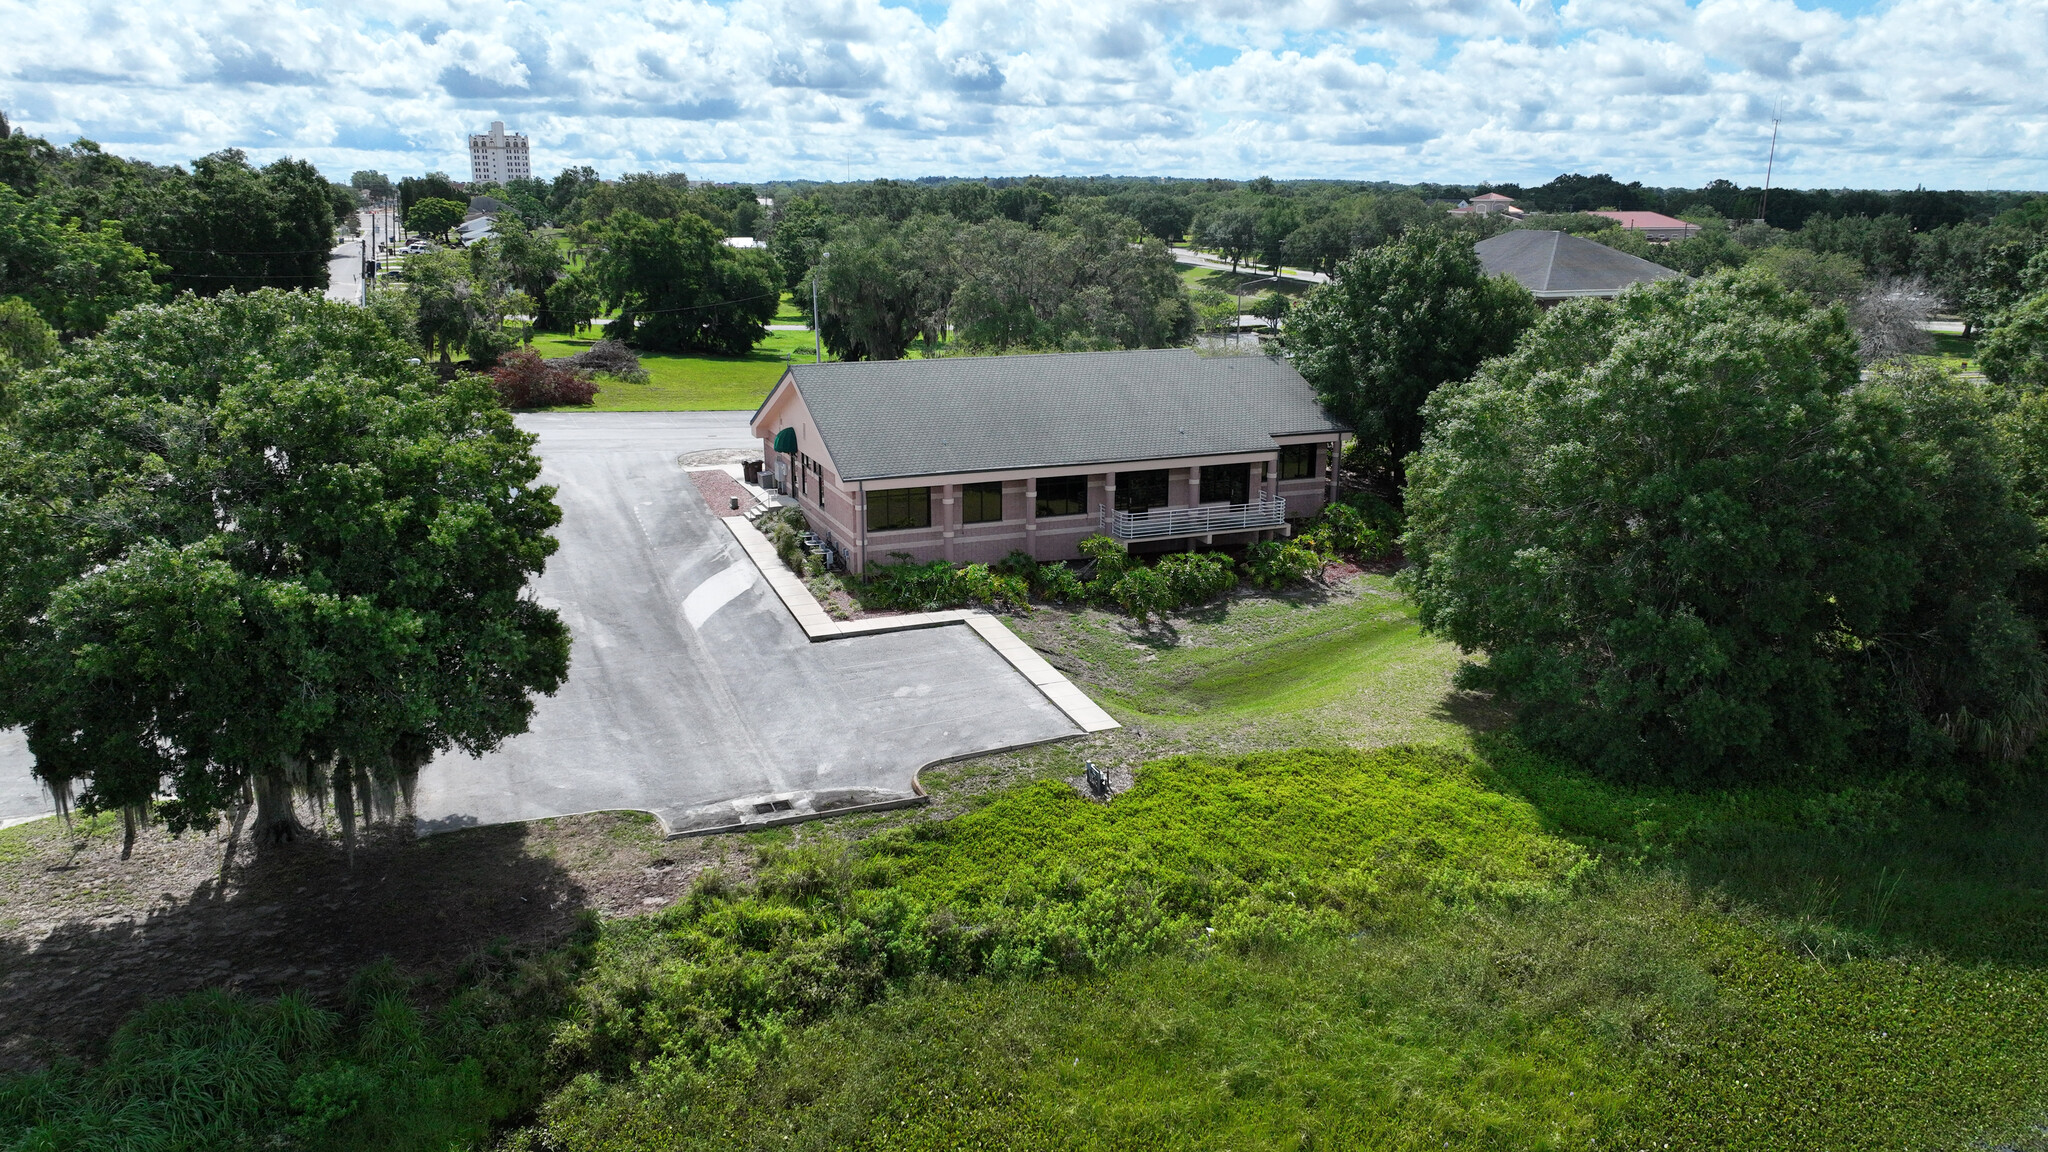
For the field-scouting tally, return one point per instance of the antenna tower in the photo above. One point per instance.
(1763, 211)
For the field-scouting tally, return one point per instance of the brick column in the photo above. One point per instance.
(1031, 516)
(860, 531)
(949, 515)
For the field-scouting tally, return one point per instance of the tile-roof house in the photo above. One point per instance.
(967, 459)
(1485, 204)
(1557, 266)
(1656, 226)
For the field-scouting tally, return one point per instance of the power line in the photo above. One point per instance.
(702, 307)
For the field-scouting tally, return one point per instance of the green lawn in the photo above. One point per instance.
(1346, 666)
(787, 313)
(691, 382)
(1954, 350)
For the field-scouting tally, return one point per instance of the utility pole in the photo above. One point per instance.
(817, 341)
(1763, 212)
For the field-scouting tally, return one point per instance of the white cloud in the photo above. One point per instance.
(1913, 92)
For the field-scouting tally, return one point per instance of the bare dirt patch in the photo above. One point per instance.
(86, 937)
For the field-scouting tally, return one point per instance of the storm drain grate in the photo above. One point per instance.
(766, 807)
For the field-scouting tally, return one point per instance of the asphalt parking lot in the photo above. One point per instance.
(692, 694)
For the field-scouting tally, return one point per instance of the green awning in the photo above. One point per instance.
(785, 440)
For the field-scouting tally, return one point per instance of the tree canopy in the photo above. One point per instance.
(678, 285)
(1690, 541)
(75, 277)
(434, 216)
(1398, 322)
(2015, 351)
(246, 547)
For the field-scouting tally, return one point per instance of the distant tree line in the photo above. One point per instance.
(101, 221)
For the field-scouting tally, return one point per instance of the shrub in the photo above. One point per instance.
(1058, 584)
(980, 584)
(785, 529)
(1278, 563)
(1361, 525)
(910, 586)
(1052, 581)
(1141, 592)
(524, 380)
(937, 584)
(1110, 557)
(1197, 577)
(610, 357)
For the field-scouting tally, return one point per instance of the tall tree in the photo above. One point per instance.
(532, 264)
(249, 548)
(1398, 322)
(75, 277)
(677, 284)
(1693, 543)
(2015, 352)
(232, 226)
(435, 217)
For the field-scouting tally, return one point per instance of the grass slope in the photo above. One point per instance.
(1401, 949)
(1347, 665)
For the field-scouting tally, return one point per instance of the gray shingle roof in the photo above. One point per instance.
(1555, 265)
(988, 413)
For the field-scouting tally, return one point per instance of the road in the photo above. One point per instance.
(345, 271)
(1204, 260)
(692, 694)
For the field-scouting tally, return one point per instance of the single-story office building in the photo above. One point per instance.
(1557, 266)
(967, 459)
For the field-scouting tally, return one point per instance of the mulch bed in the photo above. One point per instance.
(719, 489)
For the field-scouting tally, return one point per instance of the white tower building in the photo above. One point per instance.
(498, 156)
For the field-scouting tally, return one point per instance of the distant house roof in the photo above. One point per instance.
(476, 228)
(1494, 196)
(902, 418)
(1651, 222)
(744, 242)
(1559, 266)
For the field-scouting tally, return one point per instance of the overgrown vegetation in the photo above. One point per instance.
(215, 1070)
(1410, 947)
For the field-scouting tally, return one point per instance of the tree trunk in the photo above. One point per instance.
(241, 817)
(276, 820)
(131, 817)
(345, 805)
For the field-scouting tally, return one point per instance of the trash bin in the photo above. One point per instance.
(751, 469)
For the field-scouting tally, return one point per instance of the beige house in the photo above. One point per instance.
(967, 459)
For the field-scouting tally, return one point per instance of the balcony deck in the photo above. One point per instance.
(1200, 520)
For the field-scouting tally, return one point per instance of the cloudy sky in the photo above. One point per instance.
(1945, 93)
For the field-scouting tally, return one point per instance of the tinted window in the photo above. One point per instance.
(1227, 484)
(1141, 491)
(981, 503)
(1297, 461)
(899, 508)
(1062, 495)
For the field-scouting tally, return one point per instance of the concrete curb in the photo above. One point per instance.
(817, 625)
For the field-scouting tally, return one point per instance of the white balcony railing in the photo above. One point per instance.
(1200, 520)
